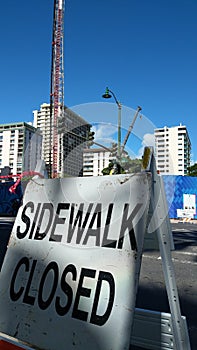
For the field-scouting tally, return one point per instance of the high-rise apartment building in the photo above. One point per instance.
(20, 147)
(72, 139)
(172, 150)
(94, 161)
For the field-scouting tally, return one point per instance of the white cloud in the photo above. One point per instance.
(147, 141)
(104, 132)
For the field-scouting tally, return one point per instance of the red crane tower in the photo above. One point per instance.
(57, 84)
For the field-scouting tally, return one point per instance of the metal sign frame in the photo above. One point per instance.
(160, 230)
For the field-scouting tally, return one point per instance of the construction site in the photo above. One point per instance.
(72, 247)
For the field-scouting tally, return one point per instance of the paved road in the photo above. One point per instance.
(152, 292)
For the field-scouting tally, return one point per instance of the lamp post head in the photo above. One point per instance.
(106, 94)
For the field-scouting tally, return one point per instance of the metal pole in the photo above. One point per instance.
(107, 95)
(119, 123)
(119, 131)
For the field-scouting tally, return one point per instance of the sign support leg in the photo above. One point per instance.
(164, 234)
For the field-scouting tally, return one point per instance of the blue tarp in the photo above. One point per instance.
(175, 188)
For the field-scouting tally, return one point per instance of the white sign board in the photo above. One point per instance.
(70, 275)
(185, 213)
(189, 203)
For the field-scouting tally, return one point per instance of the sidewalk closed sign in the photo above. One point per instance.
(70, 274)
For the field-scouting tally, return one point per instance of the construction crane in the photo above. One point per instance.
(130, 129)
(57, 84)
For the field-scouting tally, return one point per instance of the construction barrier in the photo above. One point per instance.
(4, 345)
(70, 275)
(71, 271)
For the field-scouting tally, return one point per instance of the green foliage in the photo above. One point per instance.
(192, 170)
(123, 165)
(128, 165)
(107, 170)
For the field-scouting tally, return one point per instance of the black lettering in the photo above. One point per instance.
(52, 267)
(81, 291)
(78, 218)
(109, 243)
(28, 299)
(34, 221)
(62, 310)
(94, 232)
(58, 220)
(26, 220)
(15, 295)
(46, 207)
(100, 320)
(127, 223)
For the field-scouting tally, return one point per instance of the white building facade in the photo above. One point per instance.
(95, 160)
(72, 140)
(172, 150)
(20, 147)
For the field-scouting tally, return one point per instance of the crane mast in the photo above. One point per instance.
(57, 85)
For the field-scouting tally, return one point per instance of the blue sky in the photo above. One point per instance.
(145, 51)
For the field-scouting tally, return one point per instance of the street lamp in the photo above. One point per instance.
(107, 95)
